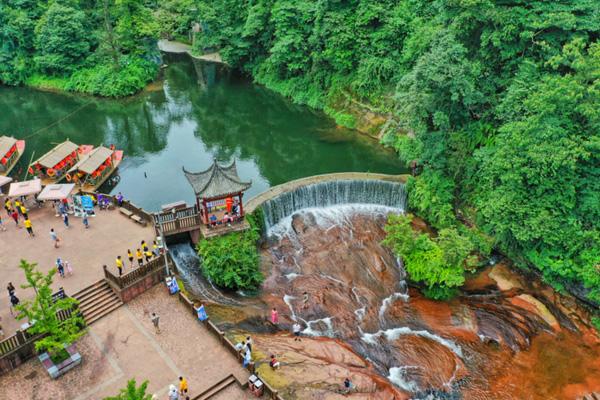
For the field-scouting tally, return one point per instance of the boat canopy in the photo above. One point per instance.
(25, 188)
(58, 191)
(57, 154)
(93, 161)
(6, 144)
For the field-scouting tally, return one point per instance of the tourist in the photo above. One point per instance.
(18, 207)
(85, 221)
(155, 319)
(24, 212)
(66, 219)
(147, 254)
(68, 267)
(140, 257)
(15, 216)
(305, 300)
(274, 364)
(297, 329)
(274, 316)
(54, 238)
(248, 343)
(28, 226)
(11, 289)
(173, 395)
(120, 199)
(183, 386)
(2, 227)
(240, 346)
(130, 257)
(8, 206)
(347, 385)
(60, 267)
(144, 246)
(14, 301)
(213, 220)
(119, 264)
(247, 358)
(155, 248)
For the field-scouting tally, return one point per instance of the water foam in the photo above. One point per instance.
(395, 333)
(398, 376)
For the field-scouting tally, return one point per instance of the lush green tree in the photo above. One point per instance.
(61, 39)
(43, 309)
(132, 392)
(438, 263)
(232, 261)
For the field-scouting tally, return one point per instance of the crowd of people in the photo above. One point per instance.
(142, 254)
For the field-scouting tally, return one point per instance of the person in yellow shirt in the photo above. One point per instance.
(119, 264)
(148, 255)
(28, 227)
(140, 257)
(130, 257)
(24, 212)
(183, 386)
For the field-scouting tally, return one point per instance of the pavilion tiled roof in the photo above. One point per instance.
(217, 181)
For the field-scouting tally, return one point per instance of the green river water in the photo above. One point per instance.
(197, 113)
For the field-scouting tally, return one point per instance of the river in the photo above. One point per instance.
(193, 114)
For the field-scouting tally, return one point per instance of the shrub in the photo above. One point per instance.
(105, 80)
(132, 392)
(232, 261)
(437, 263)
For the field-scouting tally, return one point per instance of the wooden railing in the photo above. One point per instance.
(129, 278)
(182, 220)
(214, 329)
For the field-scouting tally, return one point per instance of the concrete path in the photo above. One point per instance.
(169, 46)
(110, 234)
(123, 346)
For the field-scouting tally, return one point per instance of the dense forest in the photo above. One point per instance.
(105, 47)
(497, 102)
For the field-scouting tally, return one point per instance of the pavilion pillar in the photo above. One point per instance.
(241, 206)
(205, 208)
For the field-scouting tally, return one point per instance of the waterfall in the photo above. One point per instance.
(324, 194)
(188, 267)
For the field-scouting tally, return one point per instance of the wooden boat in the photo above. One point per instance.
(53, 166)
(11, 151)
(93, 169)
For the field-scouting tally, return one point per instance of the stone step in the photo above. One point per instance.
(89, 291)
(95, 296)
(216, 388)
(101, 301)
(90, 319)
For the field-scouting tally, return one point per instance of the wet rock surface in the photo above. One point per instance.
(504, 337)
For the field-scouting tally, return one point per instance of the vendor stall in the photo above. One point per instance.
(25, 189)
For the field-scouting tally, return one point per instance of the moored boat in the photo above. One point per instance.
(54, 165)
(95, 168)
(11, 151)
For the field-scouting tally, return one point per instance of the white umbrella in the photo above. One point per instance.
(58, 191)
(4, 180)
(18, 189)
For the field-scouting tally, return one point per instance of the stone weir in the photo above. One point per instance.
(328, 190)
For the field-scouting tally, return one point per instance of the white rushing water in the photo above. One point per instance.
(399, 377)
(335, 193)
(395, 333)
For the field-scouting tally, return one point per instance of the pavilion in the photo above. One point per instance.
(218, 190)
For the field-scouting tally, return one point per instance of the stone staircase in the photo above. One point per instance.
(96, 301)
(216, 388)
